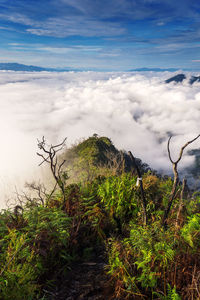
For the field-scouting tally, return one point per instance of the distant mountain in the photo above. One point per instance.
(177, 78)
(180, 77)
(26, 68)
(194, 79)
(153, 70)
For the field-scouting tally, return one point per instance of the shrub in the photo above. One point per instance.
(31, 252)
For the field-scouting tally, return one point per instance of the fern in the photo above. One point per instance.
(152, 251)
(19, 274)
(171, 294)
(191, 231)
(119, 196)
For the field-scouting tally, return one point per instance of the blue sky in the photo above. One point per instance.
(99, 34)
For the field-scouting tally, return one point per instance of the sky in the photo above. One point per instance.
(116, 35)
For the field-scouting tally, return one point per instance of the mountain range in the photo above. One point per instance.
(30, 68)
(154, 70)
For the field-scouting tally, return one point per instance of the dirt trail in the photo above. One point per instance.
(86, 280)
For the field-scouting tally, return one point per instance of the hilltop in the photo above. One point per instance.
(97, 155)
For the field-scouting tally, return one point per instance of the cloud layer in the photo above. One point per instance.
(138, 112)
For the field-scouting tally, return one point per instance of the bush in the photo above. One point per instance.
(31, 252)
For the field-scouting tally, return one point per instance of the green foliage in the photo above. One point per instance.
(165, 187)
(32, 251)
(119, 196)
(18, 269)
(89, 158)
(155, 251)
(141, 259)
(4, 231)
(94, 212)
(40, 219)
(191, 231)
(119, 265)
(171, 294)
(94, 149)
(193, 206)
(49, 229)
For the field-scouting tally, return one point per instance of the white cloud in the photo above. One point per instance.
(136, 111)
(64, 50)
(66, 26)
(77, 26)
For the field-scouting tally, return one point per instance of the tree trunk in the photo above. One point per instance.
(144, 205)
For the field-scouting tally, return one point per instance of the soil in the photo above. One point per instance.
(86, 280)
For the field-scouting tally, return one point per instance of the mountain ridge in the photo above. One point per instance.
(31, 68)
(154, 70)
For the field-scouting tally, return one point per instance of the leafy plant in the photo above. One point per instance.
(18, 276)
(119, 197)
(171, 294)
(191, 231)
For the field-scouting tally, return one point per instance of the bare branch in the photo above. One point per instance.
(182, 149)
(59, 168)
(45, 159)
(52, 192)
(53, 161)
(61, 144)
(169, 153)
(176, 177)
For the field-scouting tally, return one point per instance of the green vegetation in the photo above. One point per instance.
(40, 240)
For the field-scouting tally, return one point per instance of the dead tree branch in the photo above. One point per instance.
(183, 196)
(49, 155)
(176, 176)
(36, 194)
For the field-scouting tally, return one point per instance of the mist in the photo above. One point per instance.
(137, 111)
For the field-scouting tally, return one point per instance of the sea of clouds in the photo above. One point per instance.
(138, 111)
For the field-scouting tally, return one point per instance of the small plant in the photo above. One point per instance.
(171, 294)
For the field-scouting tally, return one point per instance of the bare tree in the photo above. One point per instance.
(176, 176)
(39, 191)
(183, 195)
(37, 194)
(49, 155)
